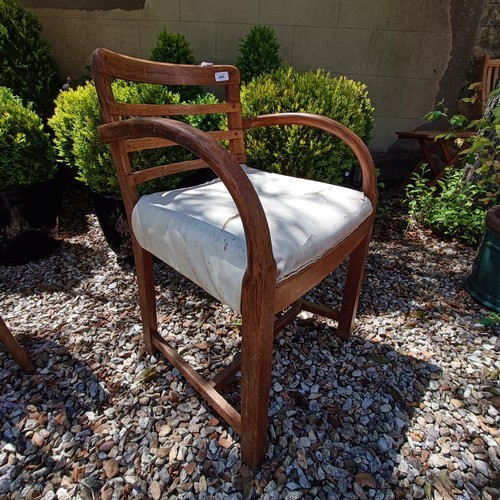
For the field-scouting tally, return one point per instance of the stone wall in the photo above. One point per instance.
(488, 38)
(408, 52)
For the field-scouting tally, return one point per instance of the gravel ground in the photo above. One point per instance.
(408, 408)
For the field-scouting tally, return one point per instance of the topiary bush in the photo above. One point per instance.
(75, 121)
(174, 48)
(26, 153)
(27, 65)
(259, 53)
(302, 151)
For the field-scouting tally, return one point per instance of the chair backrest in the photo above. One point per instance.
(108, 66)
(490, 73)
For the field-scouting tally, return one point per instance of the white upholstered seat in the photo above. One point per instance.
(198, 232)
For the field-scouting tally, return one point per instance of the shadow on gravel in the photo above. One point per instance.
(339, 413)
(49, 419)
(76, 206)
(340, 421)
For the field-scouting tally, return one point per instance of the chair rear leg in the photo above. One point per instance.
(352, 289)
(147, 295)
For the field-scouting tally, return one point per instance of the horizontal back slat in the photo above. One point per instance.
(151, 143)
(125, 109)
(140, 70)
(161, 170)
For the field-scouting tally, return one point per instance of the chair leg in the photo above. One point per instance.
(352, 289)
(147, 295)
(13, 347)
(256, 363)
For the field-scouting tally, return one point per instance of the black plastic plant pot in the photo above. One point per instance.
(112, 218)
(28, 222)
(483, 282)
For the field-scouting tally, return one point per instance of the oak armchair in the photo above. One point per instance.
(254, 240)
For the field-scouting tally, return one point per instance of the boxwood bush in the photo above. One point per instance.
(26, 153)
(75, 122)
(174, 48)
(27, 65)
(259, 53)
(301, 151)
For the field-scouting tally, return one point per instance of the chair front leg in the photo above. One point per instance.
(147, 295)
(256, 363)
(352, 289)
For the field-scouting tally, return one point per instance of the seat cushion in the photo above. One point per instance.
(198, 231)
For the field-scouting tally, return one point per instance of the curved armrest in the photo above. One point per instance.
(369, 175)
(225, 166)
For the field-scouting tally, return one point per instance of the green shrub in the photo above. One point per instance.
(26, 154)
(259, 53)
(458, 205)
(75, 122)
(303, 151)
(449, 208)
(174, 48)
(27, 65)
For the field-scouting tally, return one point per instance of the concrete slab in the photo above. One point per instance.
(417, 98)
(323, 13)
(358, 13)
(384, 92)
(201, 37)
(340, 50)
(84, 35)
(394, 53)
(399, 15)
(222, 11)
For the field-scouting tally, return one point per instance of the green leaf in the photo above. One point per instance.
(458, 121)
(435, 115)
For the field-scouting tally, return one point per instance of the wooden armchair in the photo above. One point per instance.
(256, 241)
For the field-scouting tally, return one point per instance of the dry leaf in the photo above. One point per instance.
(60, 418)
(444, 486)
(190, 468)
(37, 439)
(365, 479)
(301, 459)
(226, 442)
(78, 473)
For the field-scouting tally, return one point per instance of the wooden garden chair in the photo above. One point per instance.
(490, 74)
(256, 241)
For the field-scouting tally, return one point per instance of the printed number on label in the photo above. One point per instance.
(222, 76)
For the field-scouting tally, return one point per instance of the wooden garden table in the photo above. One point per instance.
(439, 152)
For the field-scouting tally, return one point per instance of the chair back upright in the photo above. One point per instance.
(108, 66)
(490, 74)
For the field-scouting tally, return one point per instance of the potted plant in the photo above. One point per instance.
(29, 197)
(27, 65)
(74, 123)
